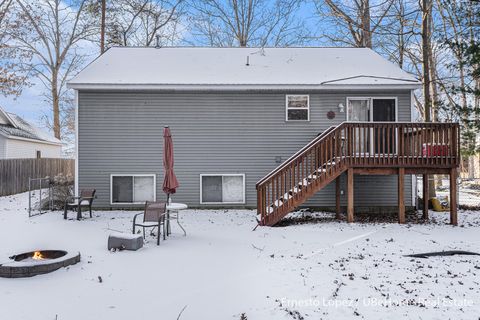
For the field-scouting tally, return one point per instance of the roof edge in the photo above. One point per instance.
(241, 87)
(12, 122)
(241, 48)
(399, 80)
(34, 140)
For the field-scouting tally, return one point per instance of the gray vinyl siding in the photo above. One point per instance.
(217, 132)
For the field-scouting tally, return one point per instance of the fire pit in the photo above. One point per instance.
(33, 263)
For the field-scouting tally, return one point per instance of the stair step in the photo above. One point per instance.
(302, 184)
(311, 180)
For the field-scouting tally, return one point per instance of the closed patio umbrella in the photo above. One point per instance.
(170, 183)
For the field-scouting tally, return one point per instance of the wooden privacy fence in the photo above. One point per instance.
(14, 173)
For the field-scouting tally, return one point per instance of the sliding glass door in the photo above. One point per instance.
(358, 110)
(384, 110)
(370, 109)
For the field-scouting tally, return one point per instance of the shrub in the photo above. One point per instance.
(62, 189)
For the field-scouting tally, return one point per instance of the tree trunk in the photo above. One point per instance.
(102, 27)
(476, 167)
(401, 37)
(438, 179)
(477, 100)
(55, 105)
(471, 167)
(367, 31)
(366, 24)
(425, 58)
(476, 163)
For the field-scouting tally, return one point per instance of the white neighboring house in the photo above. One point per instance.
(21, 139)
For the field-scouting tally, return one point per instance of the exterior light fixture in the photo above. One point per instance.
(341, 107)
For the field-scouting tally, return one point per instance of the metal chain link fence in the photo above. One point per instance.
(468, 190)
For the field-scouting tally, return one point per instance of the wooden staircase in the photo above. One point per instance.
(387, 146)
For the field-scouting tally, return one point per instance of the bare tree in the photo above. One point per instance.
(247, 23)
(398, 39)
(139, 22)
(357, 18)
(13, 77)
(53, 41)
(400, 30)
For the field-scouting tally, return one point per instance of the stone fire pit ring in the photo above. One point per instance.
(26, 265)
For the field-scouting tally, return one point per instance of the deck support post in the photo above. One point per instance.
(453, 196)
(337, 198)
(350, 195)
(401, 195)
(425, 196)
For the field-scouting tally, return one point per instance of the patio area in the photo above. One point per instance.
(223, 269)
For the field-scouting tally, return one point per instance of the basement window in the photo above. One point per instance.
(298, 108)
(132, 189)
(222, 188)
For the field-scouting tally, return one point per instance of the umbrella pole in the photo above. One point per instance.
(168, 215)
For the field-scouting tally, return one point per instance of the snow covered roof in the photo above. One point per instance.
(13, 126)
(241, 68)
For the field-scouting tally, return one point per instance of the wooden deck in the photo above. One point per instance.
(367, 148)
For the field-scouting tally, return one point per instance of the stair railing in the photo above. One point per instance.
(354, 144)
(284, 187)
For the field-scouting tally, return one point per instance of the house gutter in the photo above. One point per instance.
(242, 87)
(31, 140)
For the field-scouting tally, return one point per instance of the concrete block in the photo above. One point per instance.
(125, 241)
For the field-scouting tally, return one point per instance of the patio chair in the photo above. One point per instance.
(76, 203)
(153, 217)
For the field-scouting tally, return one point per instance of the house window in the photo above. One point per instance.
(39, 154)
(222, 188)
(132, 188)
(298, 108)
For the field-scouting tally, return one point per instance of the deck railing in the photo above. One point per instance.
(400, 144)
(354, 144)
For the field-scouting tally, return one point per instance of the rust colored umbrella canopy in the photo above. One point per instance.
(170, 182)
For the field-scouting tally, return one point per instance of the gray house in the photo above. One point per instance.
(236, 114)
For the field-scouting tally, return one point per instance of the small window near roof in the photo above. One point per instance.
(298, 108)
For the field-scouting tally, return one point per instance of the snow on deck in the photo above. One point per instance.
(330, 270)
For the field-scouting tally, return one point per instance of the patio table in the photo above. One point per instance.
(173, 213)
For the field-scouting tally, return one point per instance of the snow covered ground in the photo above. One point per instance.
(223, 269)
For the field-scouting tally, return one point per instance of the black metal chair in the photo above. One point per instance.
(76, 203)
(153, 217)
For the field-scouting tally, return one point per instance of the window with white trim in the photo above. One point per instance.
(298, 107)
(136, 188)
(222, 188)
